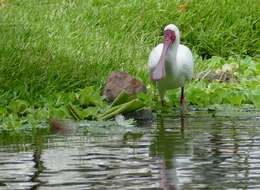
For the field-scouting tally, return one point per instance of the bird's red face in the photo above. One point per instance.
(169, 35)
(159, 71)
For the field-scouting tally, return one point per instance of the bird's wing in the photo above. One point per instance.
(154, 57)
(184, 58)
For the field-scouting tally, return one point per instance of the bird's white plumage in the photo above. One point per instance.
(178, 63)
(174, 28)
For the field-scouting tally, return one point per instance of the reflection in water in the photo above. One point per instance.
(168, 142)
(196, 151)
(38, 163)
(205, 152)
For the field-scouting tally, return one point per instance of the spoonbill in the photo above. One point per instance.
(171, 64)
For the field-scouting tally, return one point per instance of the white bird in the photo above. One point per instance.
(171, 64)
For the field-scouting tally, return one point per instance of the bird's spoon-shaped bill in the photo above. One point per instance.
(159, 70)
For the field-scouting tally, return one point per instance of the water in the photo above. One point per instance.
(197, 151)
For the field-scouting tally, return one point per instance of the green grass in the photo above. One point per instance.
(49, 46)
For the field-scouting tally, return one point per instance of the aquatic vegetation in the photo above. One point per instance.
(121, 105)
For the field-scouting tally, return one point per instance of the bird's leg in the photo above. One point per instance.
(182, 101)
(155, 92)
(163, 102)
(162, 93)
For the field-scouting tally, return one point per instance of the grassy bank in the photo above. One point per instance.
(52, 45)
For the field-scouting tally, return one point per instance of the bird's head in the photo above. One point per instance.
(171, 35)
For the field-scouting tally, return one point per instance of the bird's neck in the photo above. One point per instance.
(172, 52)
(171, 63)
(174, 47)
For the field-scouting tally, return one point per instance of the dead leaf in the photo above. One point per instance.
(183, 7)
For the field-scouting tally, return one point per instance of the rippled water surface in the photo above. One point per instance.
(196, 151)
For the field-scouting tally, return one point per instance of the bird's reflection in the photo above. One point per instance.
(170, 142)
(206, 151)
(38, 142)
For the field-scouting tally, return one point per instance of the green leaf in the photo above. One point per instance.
(255, 98)
(90, 113)
(60, 112)
(216, 93)
(257, 68)
(18, 106)
(89, 97)
(174, 98)
(146, 99)
(234, 98)
(12, 121)
(123, 97)
(198, 96)
(73, 112)
(123, 108)
(3, 111)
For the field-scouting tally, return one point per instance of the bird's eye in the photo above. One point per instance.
(173, 36)
(169, 34)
